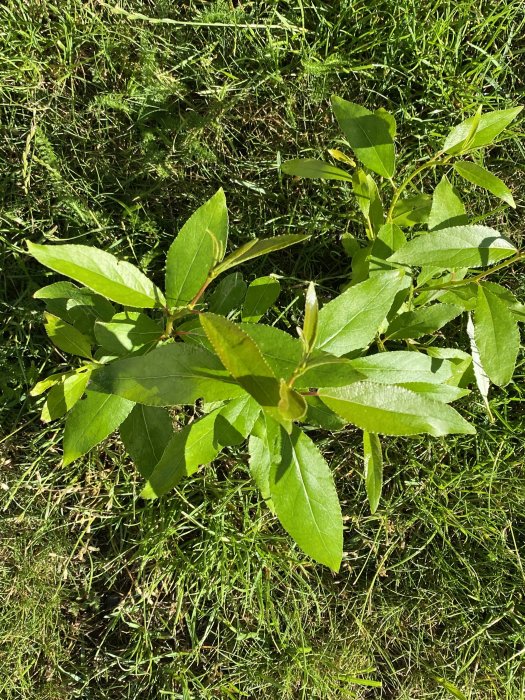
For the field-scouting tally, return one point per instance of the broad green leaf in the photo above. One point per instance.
(403, 366)
(228, 295)
(305, 500)
(459, 361)
(127, 331)
(45, 384)
(258, 247)
(497, 337)
(477, 175)
(456, 247)
(351, 321)
(312, 168)
(198, 247)
(236, 420)
(264, 447)
(428, 319)
(66, 337)
(91, 421)
(373, 469)
(176, 373)
(102, 272)
(389, 239)
(517, 308)
(311, 318)
(369, 135)
(482, 380)
(281, 351)
(392, 410)
(145, 434)
(389, 119)
(350, 244)
(324, 370)
(64, 395)
(447, 208)
(260, 296)
(489, 128)
(368, 200)
(412, 210)
(440, 392)
(361, 265)
(292, 405)
(319, 415)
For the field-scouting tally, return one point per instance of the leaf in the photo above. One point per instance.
(489, 128)
(342, 157)
(319, 415)
(45, 384)
(228, 295)
(66, 337)
(482, 380)
(260, 296)
(497, 337)
(447, 208)
(91, 421)
(281, 351)
(517, 308)
(368, 134)
(412, 210)
(102, 272)
(389, 239)
(258, 247)
(351, 320)
(312, 168)
(264, 447)
(392, 410)
(292, 405)
(198, 247)
(64, 395)
(373, 469)
(173, 374)
(440, 392)
(305, 500)
(145, 434)
(456, 247)
(429, 319)
(311, 319)
(236, 420)
(483, 178)
(368, 200)
(401, 366)
(324, 370)
(126, 332)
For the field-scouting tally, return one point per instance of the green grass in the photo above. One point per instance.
(113, 130)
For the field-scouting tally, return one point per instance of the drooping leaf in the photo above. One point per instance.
(482, 380)
(312, 168)
(198, 247)
(91, 421)
(102, 272)
(176, 373)
(490, 126)
(412, 210)
(373, 469)
(368, 200)
(145, 434)
(64, 395)
(497, 337)
(66, 337)
(369, 135)
(392, 410)
(305, 500)
(258, 247)
(428, 319)
(456, 247)
(260, 296)
(481, 177)
(126, 332)
(228, 295)
(447, 208)
(351, 320)
(517, 308)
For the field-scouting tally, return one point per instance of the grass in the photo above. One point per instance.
(113, 129)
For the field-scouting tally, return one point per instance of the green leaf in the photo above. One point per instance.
(66, 337)
(351, 321)
(368, 200)
(305, 500)
(341, 157)
(102, 272)
(447, 208)
(369, 135)
(264, 447)
(319, 415)
(456, 247)
(517, 308)
(392, 410)
(373, 469)
(482, 380)
(64, 395)
(389, 239)
(414, 324)
(497, 337)
(292, 405)
(45, 384)
(403, 366)
(228, 295)
(260, 296)
(173, 374)
(412, 210)
(281, 351)
(236, 420)
(323, 369)
(258, 247)
(91, 421)
(312, 168)
(145, 434)
(440, 392)
(127, 331)
(311, 319)
(489, 128)
(483, 178)
(198, 247)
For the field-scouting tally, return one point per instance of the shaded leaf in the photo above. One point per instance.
(260, 296)
(228, 295)
(368, 200)
(145, 434)
(66, 337)
(428, 319)
(412, 210)
(373, 469)
(127, 331)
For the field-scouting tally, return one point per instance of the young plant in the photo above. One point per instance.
(251, 381)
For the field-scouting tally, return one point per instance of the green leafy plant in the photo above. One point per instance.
(246, 380)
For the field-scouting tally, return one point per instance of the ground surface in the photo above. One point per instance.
(113, 129)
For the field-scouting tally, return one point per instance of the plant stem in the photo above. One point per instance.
(477, 278)
(433, 162)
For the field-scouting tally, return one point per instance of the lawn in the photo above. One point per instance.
(116, 123)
